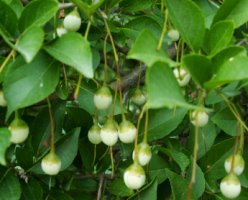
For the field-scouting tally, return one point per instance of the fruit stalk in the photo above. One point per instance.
(52, 128)
(163, 30)
(80, 75)
(137, 136)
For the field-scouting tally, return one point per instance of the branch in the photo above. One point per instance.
(66, 5)
(99, 192)
(132, 78)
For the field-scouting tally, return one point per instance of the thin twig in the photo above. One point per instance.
(66, 5)
(99, 192)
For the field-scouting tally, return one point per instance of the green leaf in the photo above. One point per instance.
(30, 83)
(212, 163)
(162, 88)
(10, 188)
(135, 5)
(180, 158)
(16, 6)
(179, 186)
(119, 189)
(30, 42)
(8, 22)
(86, 8)
(187, 17)
(67, 151)
(233, 10)
(4, 144)
(219, 36)
(37, 13)
(199, 67)
(235, 69)
(73, 50)
(163, 121)
(157, 168)
(224, 55)
(226, 121)
(32, 190)
(144, 49)
(148, 192)
(208, 9)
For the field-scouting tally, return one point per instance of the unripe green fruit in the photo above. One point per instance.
(238, 164)
(103, 98)
(127, 132)
(138, 97)
(173, 35)
(72, 21)
(144, 153)
(61, 31)
(109, 133)
(51, 164)
(19, 131)
(2, 99)
(94, 134)
(230, 186)
(199, 118)
(134, 176)
(182, 76)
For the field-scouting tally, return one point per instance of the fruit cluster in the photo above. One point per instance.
(126, 132)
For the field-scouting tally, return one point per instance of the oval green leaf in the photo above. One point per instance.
(163, 89)
(31, 83)
(73, 50)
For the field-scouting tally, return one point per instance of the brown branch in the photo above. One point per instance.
(99, 192)
(130, 79)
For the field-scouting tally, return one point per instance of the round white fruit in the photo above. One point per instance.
(2, 99)
(173, 35)
(127, 132)
(103, 98)
(182, 76)
(238, 164)
(134, 176)
(94, 134)
(199, 118)
(144, 153)
(138, 97)
(109, 133)
(230, 186)
(61, 31)
(19, 131)
(51, 164)
(72, 21)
